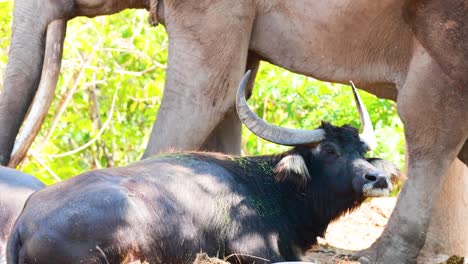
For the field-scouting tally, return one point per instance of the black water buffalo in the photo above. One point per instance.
(15, 188)
(167, 208)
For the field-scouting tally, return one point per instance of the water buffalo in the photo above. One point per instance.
(15, 188)
(167, 208)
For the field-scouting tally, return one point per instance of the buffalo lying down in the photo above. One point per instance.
(165, 209)
(15, 188)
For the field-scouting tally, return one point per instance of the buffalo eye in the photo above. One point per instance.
(329, 151)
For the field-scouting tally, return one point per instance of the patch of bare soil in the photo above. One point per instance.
(354, 231)
(358, 230)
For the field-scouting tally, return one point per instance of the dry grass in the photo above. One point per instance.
(454, 260)
(203, 258)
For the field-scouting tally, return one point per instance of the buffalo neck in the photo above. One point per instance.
(309, 211)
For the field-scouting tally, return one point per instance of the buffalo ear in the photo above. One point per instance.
(292, 169)
(388, 167)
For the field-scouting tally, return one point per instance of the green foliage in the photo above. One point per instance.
(123, 55)
(6, 9)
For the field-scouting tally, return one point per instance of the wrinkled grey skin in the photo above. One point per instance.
(15, 188)
(410, 51)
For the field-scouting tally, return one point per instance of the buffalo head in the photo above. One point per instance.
(330, 157)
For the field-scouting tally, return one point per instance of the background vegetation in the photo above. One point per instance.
(111, 87)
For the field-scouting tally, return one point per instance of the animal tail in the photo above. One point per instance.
(13, 247)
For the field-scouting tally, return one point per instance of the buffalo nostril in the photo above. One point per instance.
(381, 183)
(370, 177)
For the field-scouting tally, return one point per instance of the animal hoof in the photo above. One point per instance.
(361, 257)
(364, 260)
(379, 255)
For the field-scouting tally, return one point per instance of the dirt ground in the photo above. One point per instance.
(358, 230)
(362, 227)
(354, 231)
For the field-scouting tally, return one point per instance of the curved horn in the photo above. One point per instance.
(367, 135)
(45, 92)
(272, 133)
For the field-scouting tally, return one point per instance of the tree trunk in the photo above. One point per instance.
(448, 229)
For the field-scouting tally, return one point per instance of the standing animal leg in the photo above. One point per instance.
(226, 137)
(435, 133)
(446, 233)
(211, 39)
